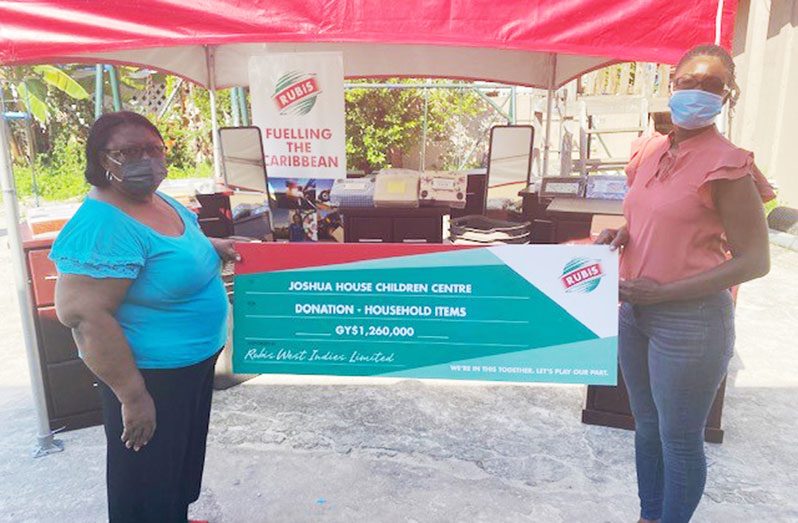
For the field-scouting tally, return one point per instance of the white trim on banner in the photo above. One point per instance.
(548, 270)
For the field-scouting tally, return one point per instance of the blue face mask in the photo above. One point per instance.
(694, 108)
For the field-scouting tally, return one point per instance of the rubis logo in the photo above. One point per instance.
(296, 93)
(581, 275)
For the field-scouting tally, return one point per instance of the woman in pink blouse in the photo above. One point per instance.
(695, 228)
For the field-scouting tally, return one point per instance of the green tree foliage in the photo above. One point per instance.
(32, 86)
(59, 175)
(384, 124)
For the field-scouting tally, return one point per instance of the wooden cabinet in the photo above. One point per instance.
(476, 195)
(534, 211)
(70, 388)
(367, 229)
(417, 230)
(55, 339)
(608, 406)
(394, 225)
(215, 216)
(560, 220)
(43, 276)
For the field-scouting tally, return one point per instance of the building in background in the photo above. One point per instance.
(766, 118)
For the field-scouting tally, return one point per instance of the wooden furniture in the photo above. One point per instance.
(559, 220)
(608, 406)
(393, 224)
(534, 210)
(476, 194)
(572, 217)
(70, 388)
(215, 215)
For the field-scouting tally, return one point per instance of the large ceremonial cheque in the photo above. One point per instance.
(544, 313)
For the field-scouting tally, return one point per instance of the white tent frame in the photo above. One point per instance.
(218, 67)
(222, 66)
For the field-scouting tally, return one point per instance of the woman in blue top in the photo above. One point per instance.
(296, 231)
(140, 286)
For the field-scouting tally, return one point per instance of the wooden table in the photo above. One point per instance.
(571, 218)
(393, 224)
(581, 206)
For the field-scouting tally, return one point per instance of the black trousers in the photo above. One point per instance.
(157, 483)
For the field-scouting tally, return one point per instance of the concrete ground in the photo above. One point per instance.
(285, 449)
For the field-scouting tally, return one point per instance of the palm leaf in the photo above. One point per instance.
(61, 81)
(35, 106)
(37, 88)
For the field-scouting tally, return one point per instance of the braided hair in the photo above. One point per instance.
(723, 55)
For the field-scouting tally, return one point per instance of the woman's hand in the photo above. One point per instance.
(138, 420)
(226, 249)
(642, 291)
(615, 238)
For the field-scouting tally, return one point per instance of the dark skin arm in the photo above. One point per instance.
(615, 238)
(87, 306)
(740, 209)
(225, 247)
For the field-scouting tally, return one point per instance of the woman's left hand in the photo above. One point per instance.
(642, 291)
(226, 249)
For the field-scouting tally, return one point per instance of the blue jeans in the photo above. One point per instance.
(673, 357)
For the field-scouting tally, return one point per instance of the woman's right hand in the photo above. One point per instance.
(138, 420)
(615, 238)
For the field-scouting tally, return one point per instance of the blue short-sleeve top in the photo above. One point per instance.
(175, 311)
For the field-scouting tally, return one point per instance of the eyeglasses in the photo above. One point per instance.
(711, 84)
(137, 152)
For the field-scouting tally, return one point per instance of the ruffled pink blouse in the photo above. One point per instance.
(674, 229)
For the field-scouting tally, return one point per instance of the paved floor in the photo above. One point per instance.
(297, 450)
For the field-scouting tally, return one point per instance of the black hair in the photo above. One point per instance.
(100, 133)
(723, 55)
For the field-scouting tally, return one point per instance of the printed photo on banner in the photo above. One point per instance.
(298, 103)
(330, 227)
(295, 225)
(304, 201)
(300, 193)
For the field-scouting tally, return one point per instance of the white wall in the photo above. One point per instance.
(766, 119)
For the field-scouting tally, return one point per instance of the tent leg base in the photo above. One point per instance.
(47, 445)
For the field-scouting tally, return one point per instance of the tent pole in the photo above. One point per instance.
(46, 443)
(114, 80)
(424, 130)
(243, 109)
(549, 110)
(234, 107)
(31, 147)
(99, 80)
(210, 61)
(513, 107)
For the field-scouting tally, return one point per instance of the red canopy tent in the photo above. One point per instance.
(511, 40)
(537, 43)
